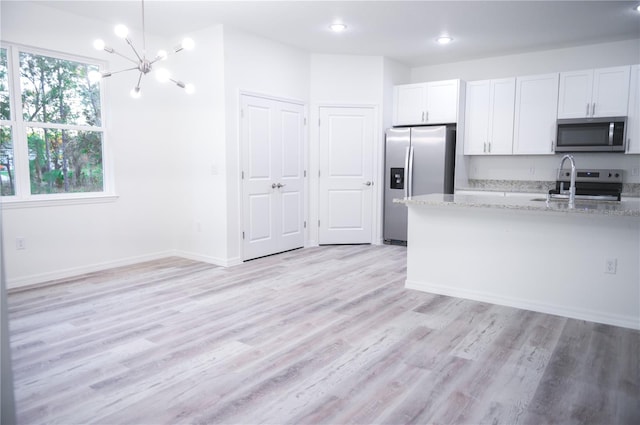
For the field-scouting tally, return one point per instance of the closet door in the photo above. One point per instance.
(346, 175)
(291, 175)
(272, 133)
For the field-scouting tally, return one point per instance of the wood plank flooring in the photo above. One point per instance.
(325, 335)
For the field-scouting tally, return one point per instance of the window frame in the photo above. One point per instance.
(22, 185)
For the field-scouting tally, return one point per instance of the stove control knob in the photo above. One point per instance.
(609, 174)
(617, 175)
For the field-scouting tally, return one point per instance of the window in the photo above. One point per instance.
(6, 142)
(51, 127)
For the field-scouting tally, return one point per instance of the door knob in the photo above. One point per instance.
(273, 186)
(368, 183)
(279, 185)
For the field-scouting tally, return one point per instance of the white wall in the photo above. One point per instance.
(199, 153)
(256, 65)
(601, 55)
(64, 240)
(341, 80)
(541, 167)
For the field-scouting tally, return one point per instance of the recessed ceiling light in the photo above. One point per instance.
(444, 39)
(338, 27)
(638, 8)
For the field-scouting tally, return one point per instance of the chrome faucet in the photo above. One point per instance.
(572, 184)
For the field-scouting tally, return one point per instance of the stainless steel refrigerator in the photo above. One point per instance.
(418, 161)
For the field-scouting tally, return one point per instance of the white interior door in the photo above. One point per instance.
(272, 176)
(346, 175)
(291, 176)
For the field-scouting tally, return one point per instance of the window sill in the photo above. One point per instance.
(56, 201)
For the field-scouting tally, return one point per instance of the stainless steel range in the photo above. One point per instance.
(593, 184)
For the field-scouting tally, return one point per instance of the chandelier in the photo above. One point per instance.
(142, 64)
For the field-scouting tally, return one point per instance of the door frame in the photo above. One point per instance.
(314, 169)
(241, 158)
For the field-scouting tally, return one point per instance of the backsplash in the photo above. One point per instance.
(631, 189)
(545, 167)
(628, 189)
(511, 185)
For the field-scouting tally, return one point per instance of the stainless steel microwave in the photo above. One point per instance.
(591, 135)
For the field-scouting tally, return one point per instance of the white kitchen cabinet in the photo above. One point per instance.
(633, 116)
(434, 102)
(489, 113)
(442, 102)
(602, 92)
(409, 103)
(536, 111)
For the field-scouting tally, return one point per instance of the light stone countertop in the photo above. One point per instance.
(626, 207)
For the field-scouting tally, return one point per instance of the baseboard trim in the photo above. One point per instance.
(222, 262)
(41, 278)
(521, 303)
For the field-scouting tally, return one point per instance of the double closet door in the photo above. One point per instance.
(272, 134)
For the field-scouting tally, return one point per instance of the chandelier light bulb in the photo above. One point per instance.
(163, 75)
(99, 44)
(121, 31)
(444, 39)
(94, 76)
(188, 43)
(189, 88)
(135, 93)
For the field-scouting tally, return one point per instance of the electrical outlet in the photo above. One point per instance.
(635, 171)
(611, 265)
(21, 243)
(532, 170)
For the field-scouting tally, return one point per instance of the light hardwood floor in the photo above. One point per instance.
(320, 335)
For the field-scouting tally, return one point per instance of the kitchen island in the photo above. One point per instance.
(581, 262)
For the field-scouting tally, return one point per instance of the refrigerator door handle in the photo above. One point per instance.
(406, 172)
(410, 172)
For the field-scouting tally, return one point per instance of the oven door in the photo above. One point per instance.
(591, 135)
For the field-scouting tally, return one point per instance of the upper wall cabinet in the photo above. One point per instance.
(535, 114)
(489, 110)
(434, 102)
(633, 116)
(594, 93)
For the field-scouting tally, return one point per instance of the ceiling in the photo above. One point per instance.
(401, 30)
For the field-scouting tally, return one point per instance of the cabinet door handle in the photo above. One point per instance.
(587, 109)
(593, 109)
(273, 185)
(484, 147)
(427, 116)
(422, 116)
(489, 147)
